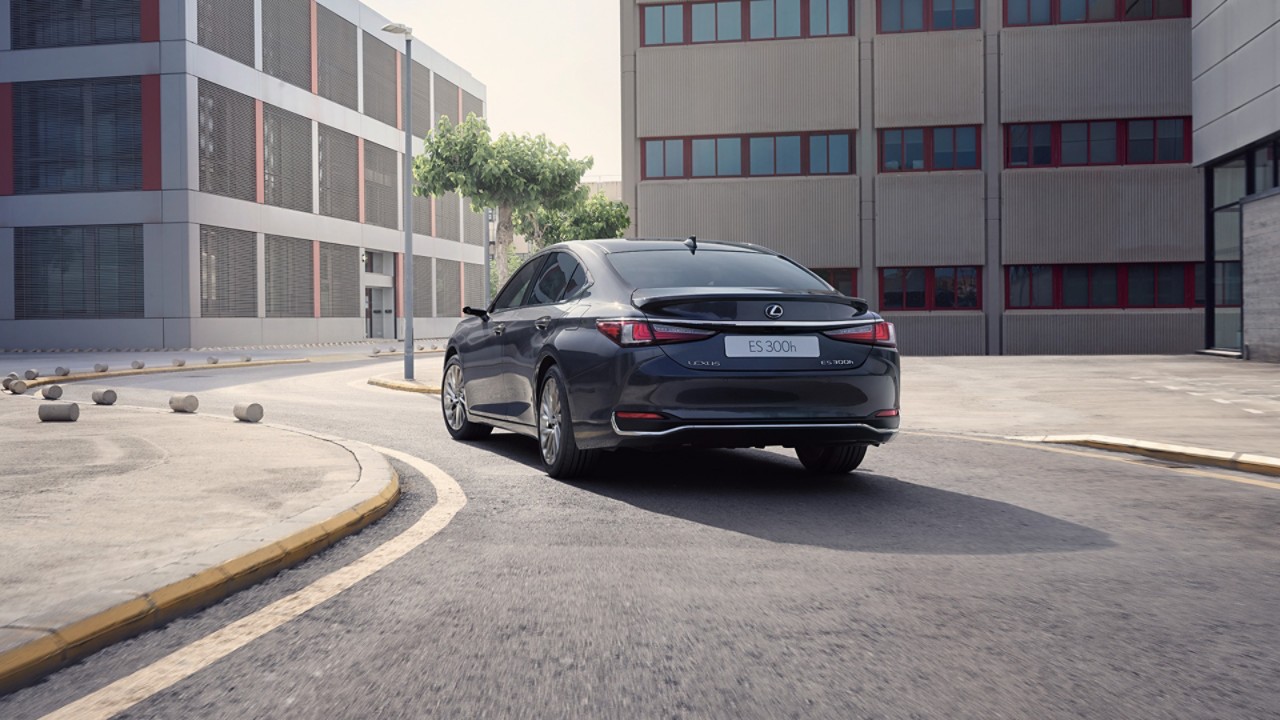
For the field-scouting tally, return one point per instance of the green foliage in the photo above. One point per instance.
(595, 217)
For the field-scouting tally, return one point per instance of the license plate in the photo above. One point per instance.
(804, 346)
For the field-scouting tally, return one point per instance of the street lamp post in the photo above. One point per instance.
(407, 280)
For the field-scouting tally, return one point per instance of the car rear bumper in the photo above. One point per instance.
(649, 433)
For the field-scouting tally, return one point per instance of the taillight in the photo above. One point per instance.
(632, 333)
(878, 333)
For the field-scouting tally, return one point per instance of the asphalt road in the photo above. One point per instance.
(949, 578)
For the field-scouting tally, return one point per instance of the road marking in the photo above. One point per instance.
(1098, 455)
(1251, 410)
(1221, 401)
(177, 666)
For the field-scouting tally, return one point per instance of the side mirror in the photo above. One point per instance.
(478, 312)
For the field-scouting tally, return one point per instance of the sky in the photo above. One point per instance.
(550, 66)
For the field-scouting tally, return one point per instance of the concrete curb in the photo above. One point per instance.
(158, 370)
(39, 644)
(405, 386)
(1244, 462)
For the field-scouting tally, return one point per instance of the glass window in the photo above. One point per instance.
(711, 266)
(1075, 286)
(554, 279)
(1227, 234)
(1070, 11)
(892, 150)
(674, 24)
(944, 287)
(704, 158)
(912, 15)
(1172, 143)
(1019, 145)
(653, 25)
(788, 155)
(1075, 143)
(1102, 143)
(729, 20)
(788, 18)
(761, 154)
(513, 292)
(1170, 8)
(891, 16)
(828, 17)
(1041, 285)
(913, 149)
(675, 158)
(577, 284)
(1029, 12)
(1170, 284)
(1142, 141)
(1042, 144)
(966, 13)
(818, 155)
(762, 19)
(1264, 169)
(1137, 9)
(944, 151)
(942, 15)
(1228, 289)
(1102, 9)
(1142, 285)
(729, 156)
(967, 147)
(892, 282)
(915, 288)
(704, 22)
(1229, 181)
(653, 154)
(967, 287)
(840, 154)
(1103, 287)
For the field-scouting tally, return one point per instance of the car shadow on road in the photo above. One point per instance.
(769, 496)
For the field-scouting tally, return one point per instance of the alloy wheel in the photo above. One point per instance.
(455, 398)
(549, 421)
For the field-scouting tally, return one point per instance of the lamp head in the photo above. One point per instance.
(398, 29)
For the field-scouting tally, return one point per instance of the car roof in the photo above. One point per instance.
(618, 245)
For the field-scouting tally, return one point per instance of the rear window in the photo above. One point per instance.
(712, 268)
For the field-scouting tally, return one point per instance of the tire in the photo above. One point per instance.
(453, 402)
(831, 459)
(560, 454)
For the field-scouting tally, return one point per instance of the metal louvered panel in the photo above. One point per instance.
(421, 81)
(446, 100)
(339, 280)
(336, 62)
(473, 284)
(472, 225)
(226, 27)
(286, 41)
(448, 223)
(339, 174)
(379, 80)
(471, 105)
(78, 272)
(228, 273)
(228, 146)
(421, 215)
(77, 135)
(422, 287)
(286, 153)
(61, 23)
(290, 277)
(448, 288)
(381, 205)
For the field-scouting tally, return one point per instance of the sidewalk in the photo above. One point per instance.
(130, 517)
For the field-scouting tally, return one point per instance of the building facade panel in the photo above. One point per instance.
(337, 59)
(813, 220)
(949, 333)
(1103, 332)
(286, 41)
(446, 100)
(911, 88)
(380, 90)
(925, 219)
(1096, 71)
(228, 272)
(747, 87)
(1236, 80)
(1262, 281)
(227, 28)
(1118, 214)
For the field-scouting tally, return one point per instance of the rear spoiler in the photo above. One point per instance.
(654, 298)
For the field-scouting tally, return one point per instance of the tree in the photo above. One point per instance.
(595, 217)
(515, 174)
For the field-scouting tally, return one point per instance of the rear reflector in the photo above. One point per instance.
(638, 416)
(887, 413)
(879, 333)
(632, 333)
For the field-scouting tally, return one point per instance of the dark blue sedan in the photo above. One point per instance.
(600, 344)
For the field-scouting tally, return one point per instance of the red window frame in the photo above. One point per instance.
(928, 149)
(928, 19)
(832, 277)
(644, 23)
(1123, 300)
(930, 288)
(806, 138)
(1122, 143)
(1055, 14)
(687, 11)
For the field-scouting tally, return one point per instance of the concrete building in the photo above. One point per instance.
(1236, 116)
(194, 173)
(995, 176)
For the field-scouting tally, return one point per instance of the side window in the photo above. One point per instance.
(577, 283)
(514, 291)
(554, 279)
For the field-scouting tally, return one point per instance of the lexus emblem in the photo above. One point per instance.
(773, 312)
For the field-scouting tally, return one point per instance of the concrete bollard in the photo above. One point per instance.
(104, 397)
(213, 360)
(18, 387)
(184, 403)
(51, 392)
(69, 412)
(31, 374)
(376, 351)
(248, 412)
(100, 367)
(137, 364)
(61, 371)
(179, 362)
(246, 358)
(5, 383)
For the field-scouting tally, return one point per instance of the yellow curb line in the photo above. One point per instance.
(65, 645)
(404, 386)
(1243, 462)
(54, 380)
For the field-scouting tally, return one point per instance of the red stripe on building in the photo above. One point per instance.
(360, 175)
(151, 145)
(460, 118)
(150, 21)
(315, 274)
(399, 91)
(315, 52)
(400, 284)
(259, 156)
(6, 138)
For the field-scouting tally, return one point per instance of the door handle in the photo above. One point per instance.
(543, 322)
(499, 328)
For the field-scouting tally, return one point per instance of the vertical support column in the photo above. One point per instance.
(868, 278)
(6, 138)
(259, 155)
(149, 28)
(7, 271)
(400, 98)
(315, 51)
(359, 70)
(315, 166)
(400, 280)
(315, 277)
(257, 35)
(360, 175)
(993, 162)
(152, 139)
